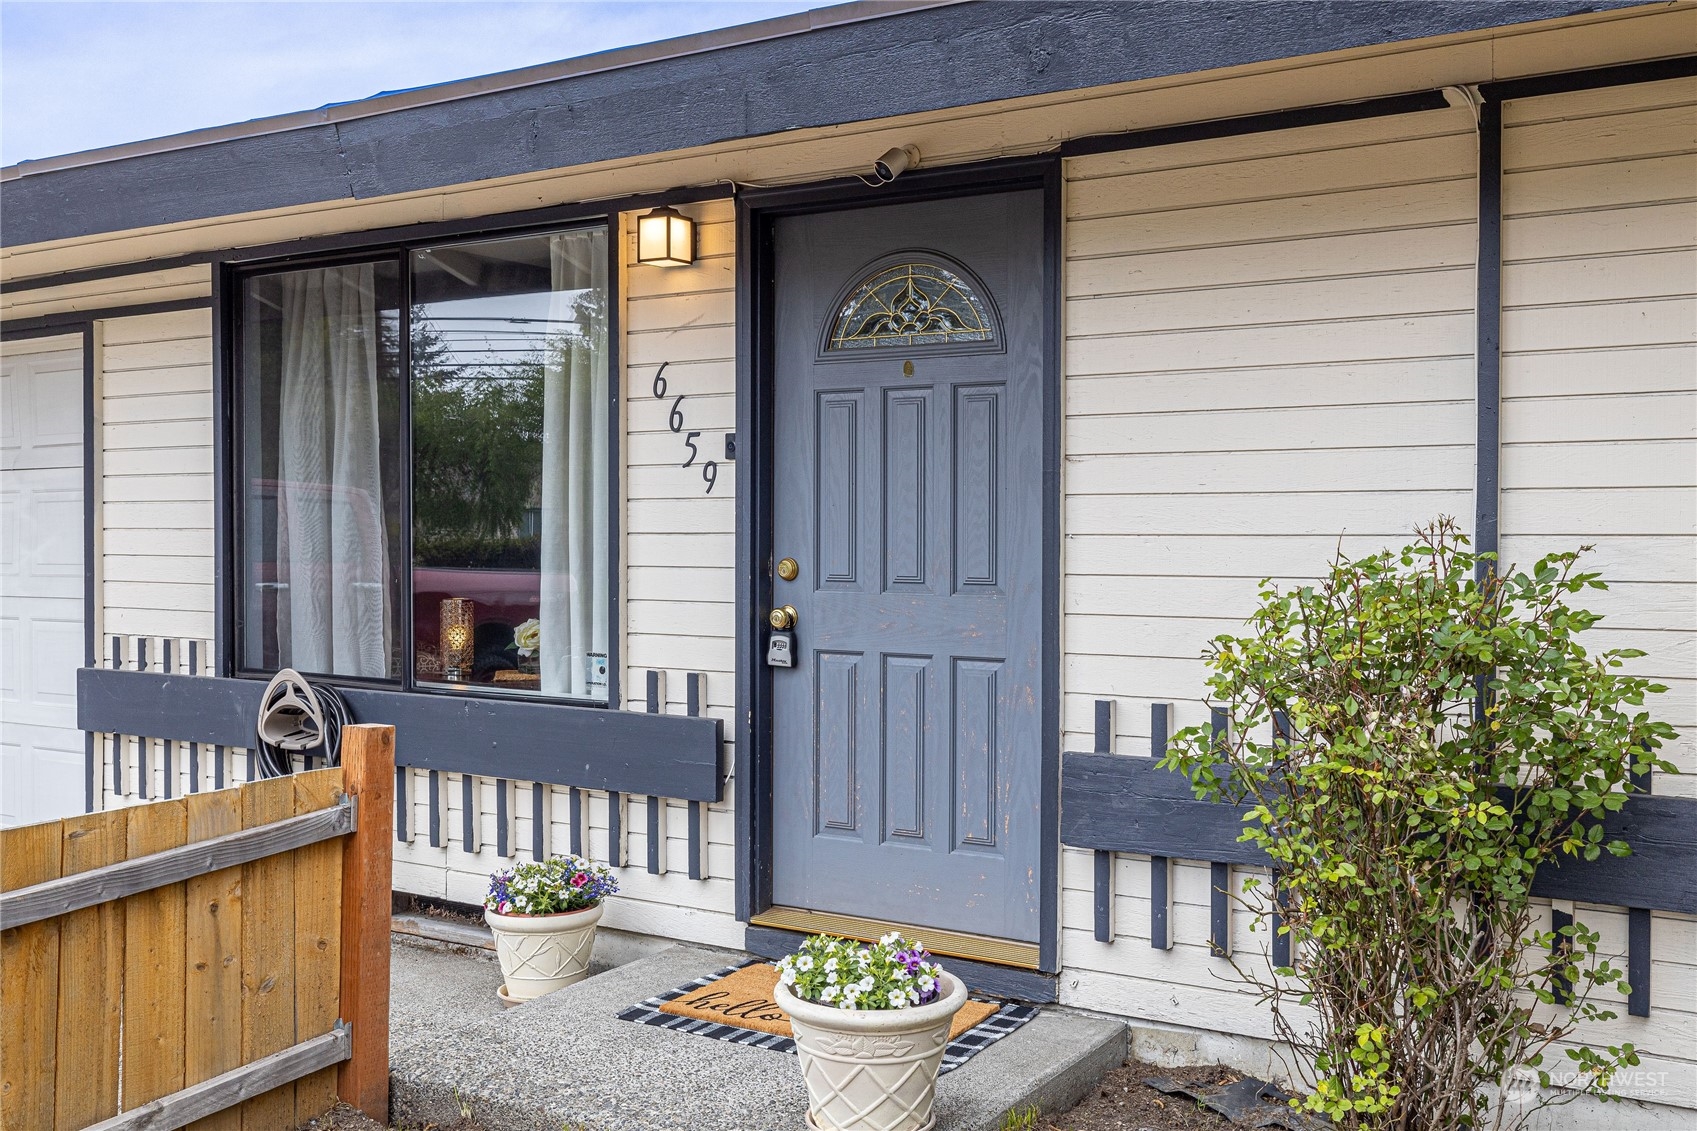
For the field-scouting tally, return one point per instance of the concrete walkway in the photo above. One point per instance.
(565, 1061)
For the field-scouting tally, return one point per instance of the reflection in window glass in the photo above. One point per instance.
(320, 387)
(509, 435)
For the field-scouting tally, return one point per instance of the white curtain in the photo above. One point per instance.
(574, 459)
(333, 617)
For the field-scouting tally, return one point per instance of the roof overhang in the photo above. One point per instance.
(834, 66)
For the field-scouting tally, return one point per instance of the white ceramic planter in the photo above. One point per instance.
(872, 1069)
(543, 953)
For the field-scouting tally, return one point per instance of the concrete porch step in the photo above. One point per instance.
(566, 1061)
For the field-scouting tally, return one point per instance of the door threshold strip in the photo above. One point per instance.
(950, 944)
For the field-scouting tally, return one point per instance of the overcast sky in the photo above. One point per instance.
(77, 76)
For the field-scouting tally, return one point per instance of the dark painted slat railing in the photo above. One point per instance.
(503, 817)
(403, 803)
(194, 747)
(1638, 960)
(538, 820)
(1219, 871)
(574, 814)
(1281, 936)
(1561, 947)
(1115, 803)
(166, 753)
(1160, 866)
(587, 747)
(656, 704)
(1104, 861)
(144, 780)
(470, 840)
(181, 706)
(695, 701)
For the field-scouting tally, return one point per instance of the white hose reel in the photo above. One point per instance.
(290, 717)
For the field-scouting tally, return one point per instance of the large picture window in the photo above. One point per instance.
(449, 402)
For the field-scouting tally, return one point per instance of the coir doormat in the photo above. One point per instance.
(737, 1004)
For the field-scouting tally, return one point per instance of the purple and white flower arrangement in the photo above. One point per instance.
(893, 973)
(549, 887)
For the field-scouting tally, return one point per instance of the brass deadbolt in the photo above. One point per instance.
(782, 617)
(788, 569)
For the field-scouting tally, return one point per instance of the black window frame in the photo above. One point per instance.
(229, 277)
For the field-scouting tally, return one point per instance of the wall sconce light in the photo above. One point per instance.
(457, 616)
(665, 237)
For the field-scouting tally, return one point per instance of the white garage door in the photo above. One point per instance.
(41, 579)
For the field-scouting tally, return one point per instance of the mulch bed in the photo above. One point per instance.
(1123, 1102)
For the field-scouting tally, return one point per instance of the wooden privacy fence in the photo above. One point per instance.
(220, 961)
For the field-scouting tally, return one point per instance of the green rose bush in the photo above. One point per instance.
(1414, 735)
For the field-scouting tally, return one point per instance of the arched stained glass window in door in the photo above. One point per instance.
(911, 303)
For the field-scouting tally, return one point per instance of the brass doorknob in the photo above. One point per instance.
(782, 617)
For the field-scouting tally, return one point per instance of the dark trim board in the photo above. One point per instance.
(614, 487)
(981, 977)
(1412, 103)
(90, 563)
(1487, 355)
(224, 494)
(10, 333)
(68, 321)
(369, 239)
(106, 271)
(756, 212)
(496, 226)
(1049, 797)
(1595, 78)
(753, 773)
(588, 747)
(745, 90)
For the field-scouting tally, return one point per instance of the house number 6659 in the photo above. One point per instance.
(675, 420)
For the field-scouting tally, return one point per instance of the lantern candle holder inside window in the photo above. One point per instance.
(457, 614)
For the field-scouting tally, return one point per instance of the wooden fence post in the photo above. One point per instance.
(368, 763)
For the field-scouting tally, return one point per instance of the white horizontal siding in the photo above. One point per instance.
(1599, 427)
(1599, 413)
(155, 491)
(1268, 354)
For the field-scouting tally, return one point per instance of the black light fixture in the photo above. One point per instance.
(665, 237)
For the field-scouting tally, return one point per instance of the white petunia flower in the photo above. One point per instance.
(805, 962)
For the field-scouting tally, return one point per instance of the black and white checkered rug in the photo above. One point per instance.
(981, 1036)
